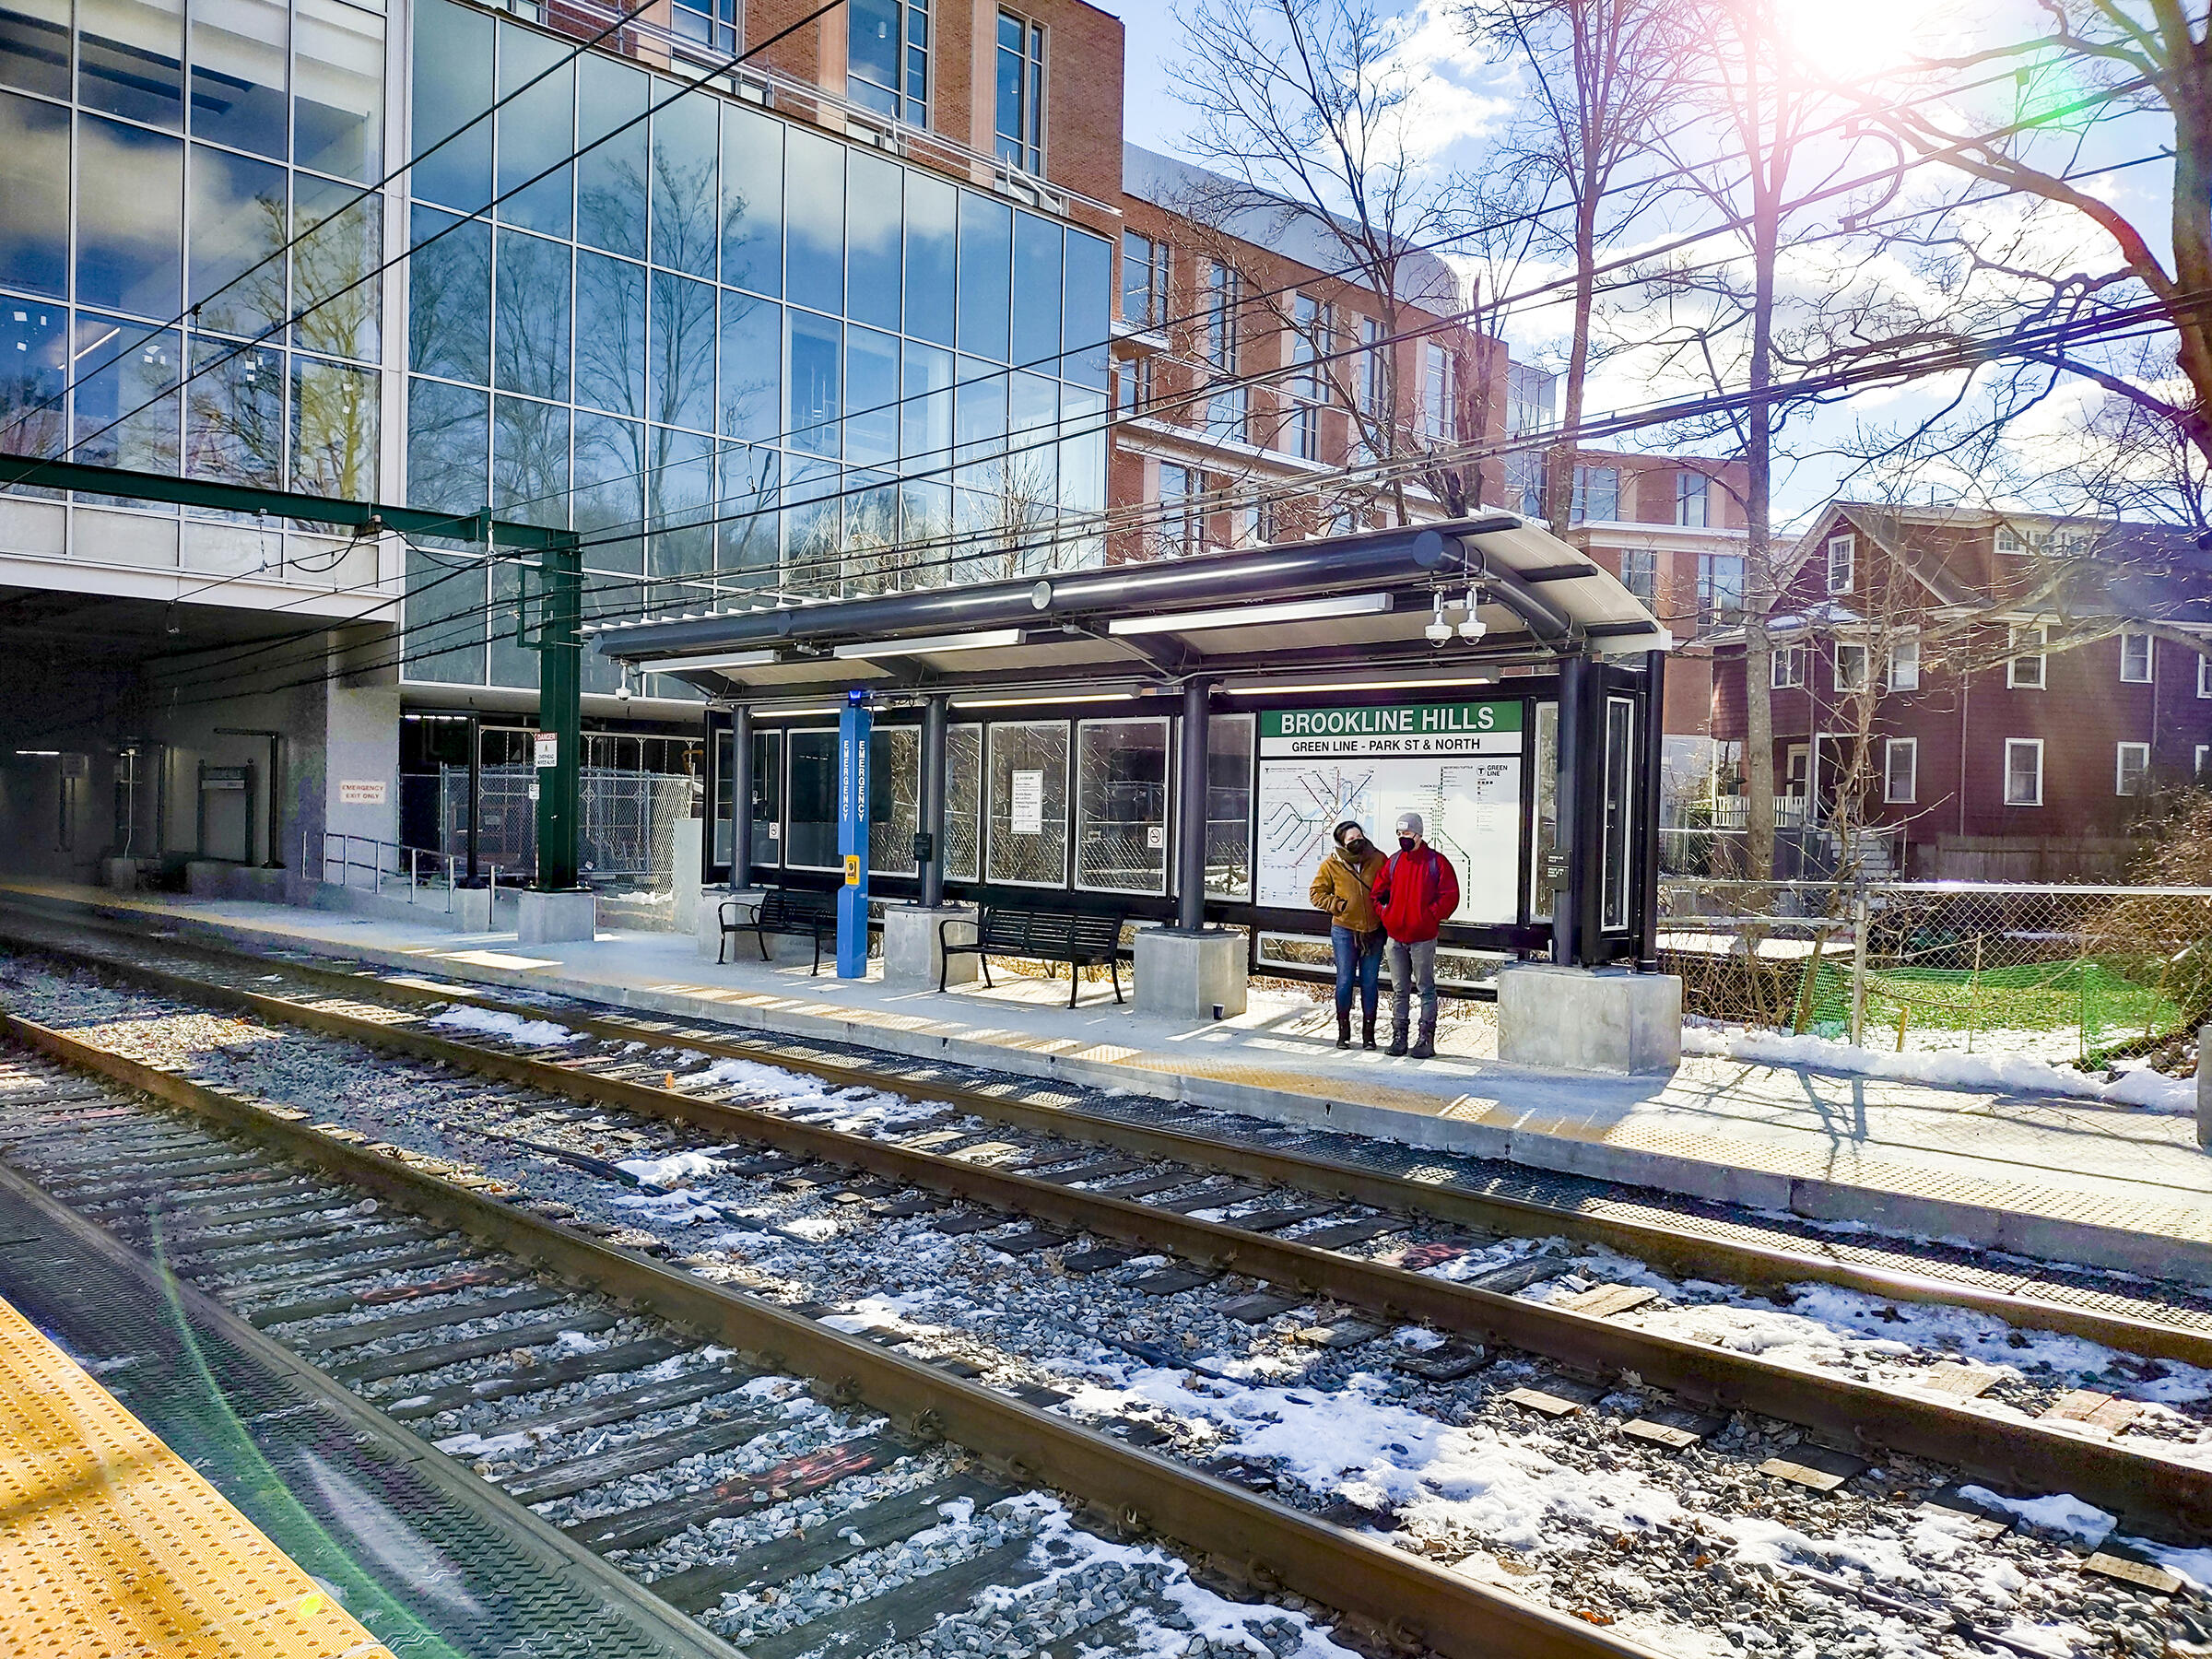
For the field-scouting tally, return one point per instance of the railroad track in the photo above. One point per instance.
(2156, 1495)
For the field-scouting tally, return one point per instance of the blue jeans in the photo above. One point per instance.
(1359, 956)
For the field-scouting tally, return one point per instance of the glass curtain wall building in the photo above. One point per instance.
(741, 356)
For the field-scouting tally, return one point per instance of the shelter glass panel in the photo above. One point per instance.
(768, 798)
(1229, 743)
(1027, 772)
(894, 797)
(1619, 808)
(963, 801)
(812, 796)
(1547, 838)
(1122, 806)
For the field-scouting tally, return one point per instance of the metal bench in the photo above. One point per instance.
(1080, 939)
(792, 912)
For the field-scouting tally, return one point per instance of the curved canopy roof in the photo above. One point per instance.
(1357, 602)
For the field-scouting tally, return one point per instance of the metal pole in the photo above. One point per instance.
(1190, 806)
(275, 741)
(934, 714)
(560, 715)
(1567, 899)
(1647, 861)
(476, 789)
(742, 784)
(1858, 965)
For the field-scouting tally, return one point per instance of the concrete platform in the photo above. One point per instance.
(2047, 1177)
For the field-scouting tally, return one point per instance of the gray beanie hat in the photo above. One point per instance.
(1410, 823)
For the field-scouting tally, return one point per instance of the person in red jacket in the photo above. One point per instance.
(1416, 893)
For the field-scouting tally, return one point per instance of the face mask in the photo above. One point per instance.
(1406, 843)
(1355, 845)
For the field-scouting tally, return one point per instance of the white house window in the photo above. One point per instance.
(1639, 572)
(2023, 771)
(2196, 768)
(1842, 556)
(2025, 668)
(1851, 668)
(2008, 540)
(2135, 658)
(2129, 763)
(1788, 665)
(1439, 392)
(1690, 499)
(2204, 676)
(1901, 769)
(1904, 663)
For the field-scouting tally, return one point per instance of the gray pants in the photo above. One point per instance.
(1412, 963)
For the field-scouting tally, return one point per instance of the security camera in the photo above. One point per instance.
(1439, 634)
(1472, 628)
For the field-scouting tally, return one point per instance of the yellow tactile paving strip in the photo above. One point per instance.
(111, 1545)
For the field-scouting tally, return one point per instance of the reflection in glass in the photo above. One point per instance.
(449, 298)
(1229, 806)
(1122, 806)
(924, 520)
(871, 563)
(894, 797)
(1089, 280)
(963, 801)
(815, 194)
(752, 367)
(871, 396)
(932, 227)
(34, 344)
(814, 380)
(238, 53)
(125, 397)
(451, 84)
(873, 236)
(986, 232)
(337, 292)
(926, 415)
(813, 520)
(813, 803)
(34, 46)
(234, 427)
(683, 351)
(443, 627)
(1028, 851)
(511, 663)
(34, 183)
(979, 425)
(1036, 292)
(610, 332)
(610, 490)
(335, 429)
(529, 460)
(1082, 451)
(610, 178)
(534, 130)
(746, 536)
(683, 184)
(530, 316)
(1547, 837)
(768, 798)
(605, 600)
(339, 104)
(237, 224)
(129, 59)
(130, 219)
(752, 200)
(449, 440)
(679, 500)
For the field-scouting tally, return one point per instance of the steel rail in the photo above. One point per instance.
(2154, 1494)
(1249, 1540)
(1766, 1268)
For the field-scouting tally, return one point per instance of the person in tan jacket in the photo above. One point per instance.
(1342, 891)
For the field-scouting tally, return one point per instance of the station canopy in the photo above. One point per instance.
(1363, 602)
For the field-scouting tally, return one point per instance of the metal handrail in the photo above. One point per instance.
(406, 861)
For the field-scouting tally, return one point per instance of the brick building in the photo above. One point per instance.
(1998, 694)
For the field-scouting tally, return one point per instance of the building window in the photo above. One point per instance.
(2204, 676)
(1143, 280)
(2134, 659)
(1180, 527)
(2026, 665)
(1304, 389)
(1690, 488)
(887, 57)
(2130, 761)
(1719, 588)
(709, 23)
(1525, 483)
(1786, 667)
(1225, 407)
(2023, 771)
(1900, 770)
(1842, 556)
(1597, 494)
(1021, 93)
(2008, 540)
(1133, 382)
(1904, 663)
(1440, 385)
(1639, 573)
(2196, 769)
(1367, 378)
(1851, 668)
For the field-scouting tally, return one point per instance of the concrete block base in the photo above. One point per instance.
(555, 918)
(1604, 1019)
(689, 834)
(120, 874)
(472, 909)
(913, 949)
(1190, 975)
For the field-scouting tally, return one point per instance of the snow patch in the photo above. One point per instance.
(666, 1172)
(2063, 1512)
(529, 1033)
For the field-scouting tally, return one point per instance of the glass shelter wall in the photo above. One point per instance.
(739, 355)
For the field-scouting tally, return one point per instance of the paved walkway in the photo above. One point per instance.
(2052, 1178)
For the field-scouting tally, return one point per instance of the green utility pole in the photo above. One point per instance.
(561, 632)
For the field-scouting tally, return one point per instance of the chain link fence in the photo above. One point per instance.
(627, 823)
(2067, 974)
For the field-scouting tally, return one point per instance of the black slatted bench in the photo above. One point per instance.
(789, 911)
(1080, 939)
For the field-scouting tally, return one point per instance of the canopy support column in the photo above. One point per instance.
(742, 785)
(934, 713)
(1190, 805)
